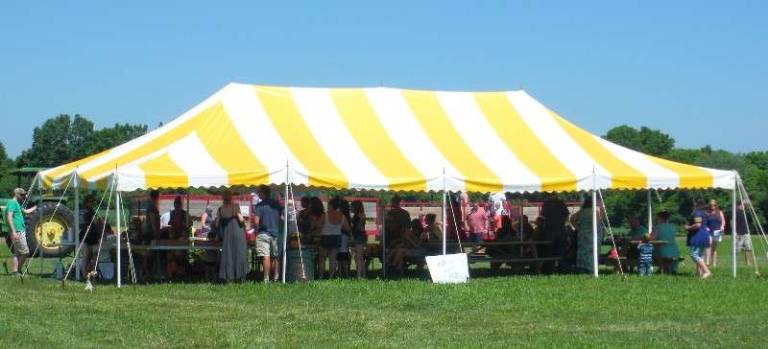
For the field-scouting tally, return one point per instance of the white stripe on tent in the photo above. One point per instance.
(257, 132)
(404, 130)
(722, 179)
(465, 115)
(202, 170)
(319, 112)
(131, 178)
(562, 146)
(658, 176)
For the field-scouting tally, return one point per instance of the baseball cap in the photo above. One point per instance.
(19, 191)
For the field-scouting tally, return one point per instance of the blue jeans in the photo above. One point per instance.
(645, 268)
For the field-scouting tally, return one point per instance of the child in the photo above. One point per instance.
(645, 260)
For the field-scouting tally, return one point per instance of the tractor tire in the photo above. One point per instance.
(56, 228)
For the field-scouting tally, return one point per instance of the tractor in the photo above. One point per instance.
(53, 229)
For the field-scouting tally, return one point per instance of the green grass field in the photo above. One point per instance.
(516, 311)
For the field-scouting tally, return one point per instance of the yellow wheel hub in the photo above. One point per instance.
(50, 232)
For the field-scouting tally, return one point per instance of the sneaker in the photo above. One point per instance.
(17, 274)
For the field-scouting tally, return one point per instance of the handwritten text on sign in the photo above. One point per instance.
(448, 269)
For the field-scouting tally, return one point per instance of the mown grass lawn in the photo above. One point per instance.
(518, 311)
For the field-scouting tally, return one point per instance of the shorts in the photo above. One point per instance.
(717, 235)
(330, 242)
(19, 247)
(744, 242)
(266, 246)
(697, 254)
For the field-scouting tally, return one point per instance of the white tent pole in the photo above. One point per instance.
(119, 200)
(594, 224)
(284, 265)
(733, 223)
(650, 211)
(445, 199)
(77, 223)
(383, 237)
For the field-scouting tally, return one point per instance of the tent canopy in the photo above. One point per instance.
(378, 139)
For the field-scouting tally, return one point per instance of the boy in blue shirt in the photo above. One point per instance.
(645, 259)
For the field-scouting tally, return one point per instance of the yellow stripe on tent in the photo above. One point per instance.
(374, 141)
(437, 125)
(215, 129)
(623, 176)
(286, 119)
(690, 176)
(523, 142)
(163, 172)
(225, 146)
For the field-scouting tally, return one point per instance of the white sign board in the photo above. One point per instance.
(448, 269)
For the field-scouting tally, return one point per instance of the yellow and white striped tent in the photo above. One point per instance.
(379, 139)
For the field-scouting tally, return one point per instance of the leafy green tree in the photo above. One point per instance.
(7, 182)
(63, 139)
(646, 140)
(110, 137)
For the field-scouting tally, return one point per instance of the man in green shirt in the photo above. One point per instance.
(14, 218)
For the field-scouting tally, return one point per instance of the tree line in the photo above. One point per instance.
(66, 138)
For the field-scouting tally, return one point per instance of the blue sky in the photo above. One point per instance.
(694, 69)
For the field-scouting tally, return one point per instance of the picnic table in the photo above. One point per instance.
(499, 257)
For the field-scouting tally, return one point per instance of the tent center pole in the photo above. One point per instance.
(284, 265)
(76, 228)
(650, 211)
(445, 200)
(733, 223)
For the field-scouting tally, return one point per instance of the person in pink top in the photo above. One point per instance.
(478, 222)
(464, 206)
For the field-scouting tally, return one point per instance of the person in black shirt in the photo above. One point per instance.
(743, 240)
(555, 215)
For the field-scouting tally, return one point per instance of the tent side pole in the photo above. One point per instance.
(650, 211)
(445, 221)
(595, 244)
(75, 239)
(284, 265)
(119, 200)
(733, 223)
(40, 245)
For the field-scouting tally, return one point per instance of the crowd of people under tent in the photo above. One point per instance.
(338, 234)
